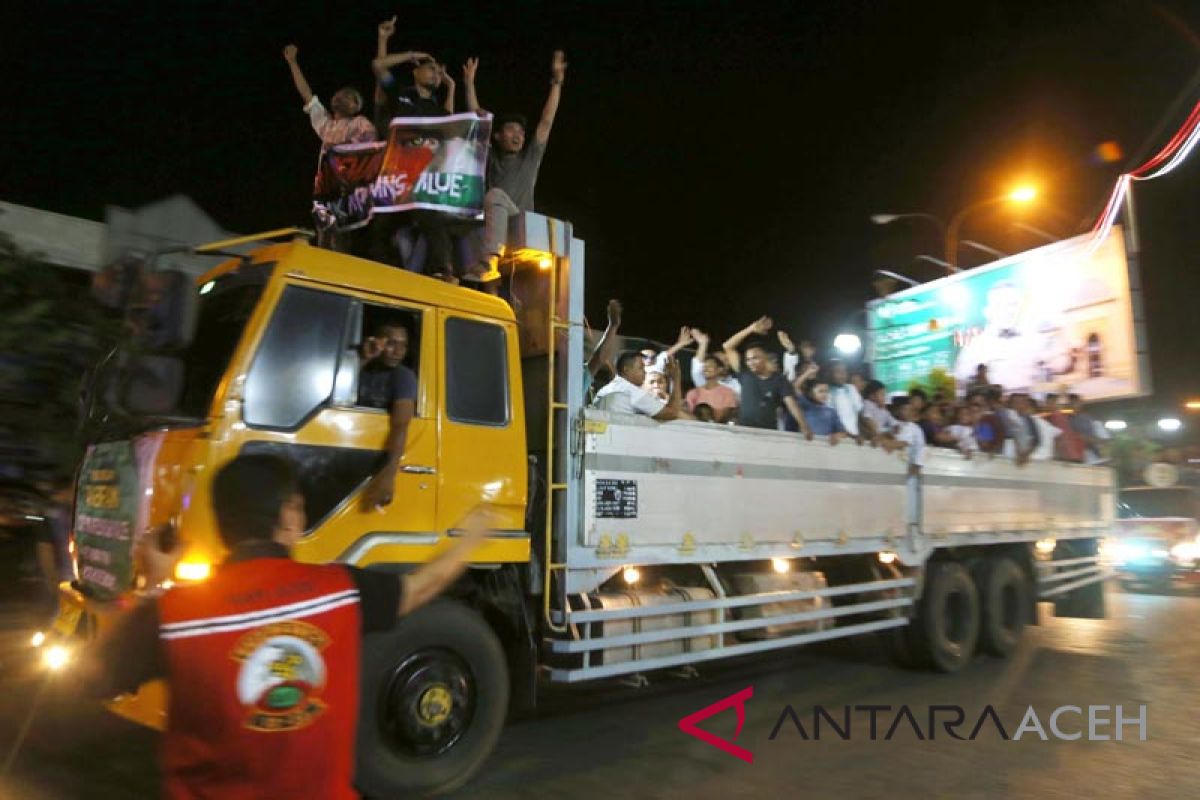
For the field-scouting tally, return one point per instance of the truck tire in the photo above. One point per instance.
(434, 697)
(1004, 595)
(947, 624)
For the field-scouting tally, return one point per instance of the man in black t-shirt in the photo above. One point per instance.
(763, 391)
(418, 100)
(384, 382)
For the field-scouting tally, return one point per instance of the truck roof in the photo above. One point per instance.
(299, 258)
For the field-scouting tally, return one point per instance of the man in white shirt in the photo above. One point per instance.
(624, 393)
(844, 398)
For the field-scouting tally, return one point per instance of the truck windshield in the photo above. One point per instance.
(221, 318)
(1157, 503)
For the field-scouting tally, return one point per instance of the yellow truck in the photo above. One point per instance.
(630, 548)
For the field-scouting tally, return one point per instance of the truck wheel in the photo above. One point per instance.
(1004, 595)
(947, 624)
(434, 697)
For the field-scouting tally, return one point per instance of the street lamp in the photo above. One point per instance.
(847, 343)
(1023, 194)
(1116, 425)
(983, 248)
(1169, 424)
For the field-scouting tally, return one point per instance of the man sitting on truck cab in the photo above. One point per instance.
(624, 393)
(385, 382)
(262, 659)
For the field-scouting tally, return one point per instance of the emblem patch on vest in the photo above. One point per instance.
(281, 676)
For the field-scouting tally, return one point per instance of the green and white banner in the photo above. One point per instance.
(111, 508)
(432, 163)
(1054, 319)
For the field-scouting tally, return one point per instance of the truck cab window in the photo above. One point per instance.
(380, 339)
(476, 372)
(293, 372)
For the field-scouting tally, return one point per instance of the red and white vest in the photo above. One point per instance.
(263, 663)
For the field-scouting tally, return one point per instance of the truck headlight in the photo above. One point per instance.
(192, 571)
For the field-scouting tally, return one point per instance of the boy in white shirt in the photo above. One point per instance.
(963, 431)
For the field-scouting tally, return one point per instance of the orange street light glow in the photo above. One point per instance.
(1023, 194)
(1192, 405)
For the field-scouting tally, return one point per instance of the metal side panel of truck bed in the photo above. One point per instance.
(686, 492)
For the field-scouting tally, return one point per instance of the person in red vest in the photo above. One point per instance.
(262, 659)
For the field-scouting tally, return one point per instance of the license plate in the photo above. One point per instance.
(67, 621)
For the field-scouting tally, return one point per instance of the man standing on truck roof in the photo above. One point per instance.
(262, 659)
(418, 100)
(385, 382)
(763, 392)
(513, 162)
(624, 393)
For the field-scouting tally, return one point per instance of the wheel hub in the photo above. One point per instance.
(428, 703)
(435, 705)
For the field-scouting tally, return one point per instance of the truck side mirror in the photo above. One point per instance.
(152, 385)
(162, 311)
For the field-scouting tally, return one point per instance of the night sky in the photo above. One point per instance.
(720, 159)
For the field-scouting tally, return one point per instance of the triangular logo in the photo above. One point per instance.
(737, 701)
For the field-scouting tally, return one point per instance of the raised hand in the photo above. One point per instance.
(614, 306)
(469, 69)
(685, 337)
(558, 65)
(387, 28)
(786, 341)
(289, 53)
(701, 337)
(371, 348)
(762, 325)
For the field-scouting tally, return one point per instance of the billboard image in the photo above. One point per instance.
(1058, 318)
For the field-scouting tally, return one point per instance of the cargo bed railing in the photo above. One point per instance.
(1056, 578)
(896, 599)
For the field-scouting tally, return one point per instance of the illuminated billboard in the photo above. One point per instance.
(1058, 318)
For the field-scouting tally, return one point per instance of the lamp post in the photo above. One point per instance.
(949, 233)
(1021, 195)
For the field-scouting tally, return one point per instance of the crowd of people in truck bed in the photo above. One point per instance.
(760, 378)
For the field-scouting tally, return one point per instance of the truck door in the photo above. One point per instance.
(483, 433)
(300, 401)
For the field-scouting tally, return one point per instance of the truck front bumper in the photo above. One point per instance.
(79, 625)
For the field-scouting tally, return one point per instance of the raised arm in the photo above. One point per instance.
(791, 357)
(289, 55)
(702, 339)
(381, 65)
(469, 71)
(760, 326)
(558, 71)
(684, 340)
(386, 29)
(605, 354)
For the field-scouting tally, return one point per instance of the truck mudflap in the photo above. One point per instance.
(79, 625)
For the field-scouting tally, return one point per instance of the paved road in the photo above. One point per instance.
(620, 742)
